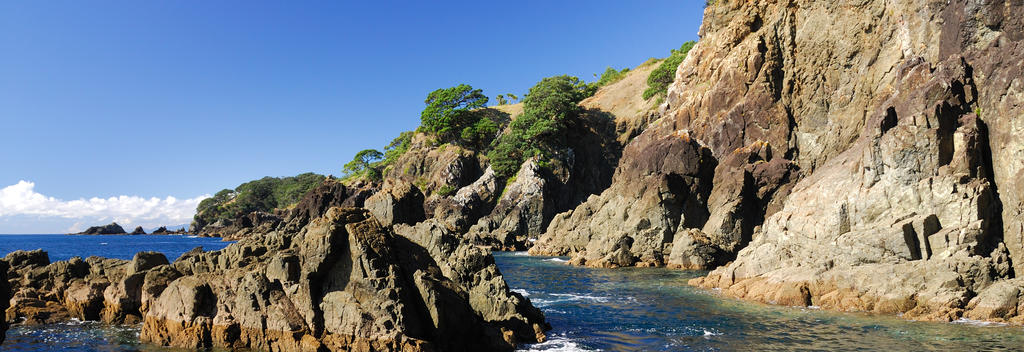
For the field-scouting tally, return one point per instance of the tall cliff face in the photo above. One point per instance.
(843, 138)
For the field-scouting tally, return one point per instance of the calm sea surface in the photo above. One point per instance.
(589, 309)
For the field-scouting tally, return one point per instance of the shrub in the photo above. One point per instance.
(665, 73)
(365, 164)
(265, 194)
(450, 110)
(540, 130)
(480, 134)
(610, 76)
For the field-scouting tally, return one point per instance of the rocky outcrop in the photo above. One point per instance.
(344, 282)
(330, 193)
(5, 299)
(661, 184)
(162, 230)
(110, 229)
(341, 282)
(437, 170)
(879, 172)
(139, 231)
(396, 203)
(519, 216)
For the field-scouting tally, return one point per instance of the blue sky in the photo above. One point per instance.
(155, 99)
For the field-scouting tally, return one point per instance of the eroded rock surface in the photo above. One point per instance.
(342, 282)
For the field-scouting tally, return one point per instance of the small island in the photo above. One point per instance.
(111, 229)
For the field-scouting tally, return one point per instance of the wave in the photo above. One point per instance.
(555, 298)
(973, 322)
(523, 292)
(557, 344)
(556, 260)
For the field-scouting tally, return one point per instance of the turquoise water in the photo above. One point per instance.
(589, 309)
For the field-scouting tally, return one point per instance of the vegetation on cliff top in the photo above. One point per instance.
(265, 194)
(540, 130)
(662, 77)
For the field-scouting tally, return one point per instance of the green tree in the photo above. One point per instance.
(501, 99)
(397, 147)
(557, 97)
(450, 110)
(480, 134)
(365, 164)
(540, 129)
(665, 73)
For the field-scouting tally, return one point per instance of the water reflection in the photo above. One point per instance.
(653, 309)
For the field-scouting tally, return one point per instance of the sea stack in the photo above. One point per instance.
(138, 231)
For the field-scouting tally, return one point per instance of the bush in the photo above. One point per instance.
(265, 194)
(610, 76)
(480, 134)
(665, 73)
(365, 164)
(540, 130)
(449, 111)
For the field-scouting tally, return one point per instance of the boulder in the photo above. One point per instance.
(396, 203)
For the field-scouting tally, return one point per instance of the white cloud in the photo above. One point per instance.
(22, 199)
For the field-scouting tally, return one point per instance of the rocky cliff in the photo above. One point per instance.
(855, 155)
(337, 280)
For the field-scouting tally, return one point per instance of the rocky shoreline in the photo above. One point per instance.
(338, 280)
(880, 173)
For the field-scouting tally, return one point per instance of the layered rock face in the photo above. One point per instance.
(864, 155)
(343, 282)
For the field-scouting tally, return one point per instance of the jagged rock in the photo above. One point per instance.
(139, 231)
(436, 170)
(111, 229)
(343, 282)
(1002, 302)
(5, 299)
(661, 184)
(22, 259)
(143, 261)
(331, 193)
(519, 214)
(469, 203)
(397, 203)
(162, 230)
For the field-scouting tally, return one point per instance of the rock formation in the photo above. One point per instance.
(139, 231)
(330, 193)
(880, 172)
(341, 281)
(162, 230)
(111, 229)
(5, 298)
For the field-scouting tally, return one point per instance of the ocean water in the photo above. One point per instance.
(648, 309)
(63, 247)
(589, 310)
